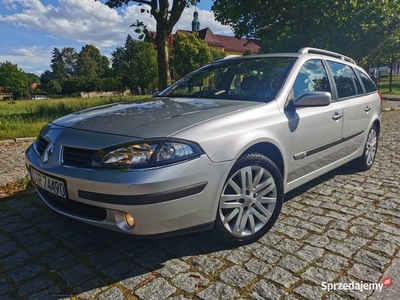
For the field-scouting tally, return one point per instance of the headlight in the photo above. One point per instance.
(150, 153)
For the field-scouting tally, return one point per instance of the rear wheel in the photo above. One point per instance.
(366, 161)
(251, 200)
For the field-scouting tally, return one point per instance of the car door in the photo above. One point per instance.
(315, 131)
(356, 106)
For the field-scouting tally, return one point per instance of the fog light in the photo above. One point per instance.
(129, 220)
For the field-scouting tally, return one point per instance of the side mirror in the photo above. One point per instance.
(156, 94)
(313, 99)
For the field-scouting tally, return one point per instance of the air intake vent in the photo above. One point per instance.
(77, 157)
(41, 145)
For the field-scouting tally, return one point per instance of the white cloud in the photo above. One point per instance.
(30, 59)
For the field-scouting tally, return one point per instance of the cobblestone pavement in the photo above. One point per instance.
(342, 227)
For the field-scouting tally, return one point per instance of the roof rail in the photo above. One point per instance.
(326, 52)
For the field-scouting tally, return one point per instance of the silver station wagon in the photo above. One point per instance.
(216, 150)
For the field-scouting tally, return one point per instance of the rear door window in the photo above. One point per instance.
(342, 74)
(367, 82)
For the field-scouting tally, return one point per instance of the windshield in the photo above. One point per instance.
(252, 79)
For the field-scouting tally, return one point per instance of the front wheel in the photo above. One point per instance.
(366, 161)
(251, 200)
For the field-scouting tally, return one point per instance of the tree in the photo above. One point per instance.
(136, 63)
(12, 79)
(90, 63)
(46, 77)
(166, 19)
(355, 28)
(69, 57)
(217, 54)
(57, 65)
(189, 53)
(54, 87)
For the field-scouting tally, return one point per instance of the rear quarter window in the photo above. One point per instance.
(367, 82)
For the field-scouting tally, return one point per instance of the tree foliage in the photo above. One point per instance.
(136, 64)
(189, 53)
(356, 28)
(12, 79)
(166, 19)
(90, 63)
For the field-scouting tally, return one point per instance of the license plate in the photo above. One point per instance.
(48, 183)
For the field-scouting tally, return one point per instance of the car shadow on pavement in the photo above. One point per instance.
(67, 258)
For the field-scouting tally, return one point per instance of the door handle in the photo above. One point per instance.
(367, 109)
(336, 116)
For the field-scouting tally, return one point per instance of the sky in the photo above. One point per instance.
(31, 29)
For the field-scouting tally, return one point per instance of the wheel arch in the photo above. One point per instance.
(271, 151)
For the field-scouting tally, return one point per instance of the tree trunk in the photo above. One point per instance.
(161, 41)
(391, 72)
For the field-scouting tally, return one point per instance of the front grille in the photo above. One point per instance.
(74, 208)
(41, 145)
(77, 157)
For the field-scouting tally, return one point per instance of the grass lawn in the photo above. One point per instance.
(25, 118)
(384, 85)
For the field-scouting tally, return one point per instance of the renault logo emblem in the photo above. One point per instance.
(48, 152)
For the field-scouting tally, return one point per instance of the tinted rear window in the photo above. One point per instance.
(367, 82)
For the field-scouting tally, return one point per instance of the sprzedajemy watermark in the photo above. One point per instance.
(356, 286)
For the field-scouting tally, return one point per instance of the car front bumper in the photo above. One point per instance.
(176, 198)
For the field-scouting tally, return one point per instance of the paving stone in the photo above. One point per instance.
(218, 291)
(342, 248)
(389, 229)
(173, 267)
(336, 234)
(25, 272)
(270, 239)
(334, 262)
(267, 254)
(311, 227)
(32, 286)
(76, 275)
(90, 288)
(152, 259)
(291, 221)
(293, 232)
(238, 257)
(310, 253)
(257, 266)
(323, 220)
(288, 246)
(113, 293)
(7, 248)
(5, 287)
(309, 291)
(318, 275)
(384, 247)
(134, 278)
(15, 259)
(363, 222)
(317, 240)
(386, 237)
(103, 259)
(45, 246)
(156, 289)
(33, 239)
(264, 290)
(179, 297)
(363, 231)
(292, 263)
(358, 241)
(339, 224)
(207, 265)
(182, 251)
(236, 276)
(190, 282)
(117, 270)
(51, 293)
(371, 259)
(281, 276)
(365, 273)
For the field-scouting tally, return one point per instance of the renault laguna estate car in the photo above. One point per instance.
(218, 149)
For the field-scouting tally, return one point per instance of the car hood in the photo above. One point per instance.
(158, 117)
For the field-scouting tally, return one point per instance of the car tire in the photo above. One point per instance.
(365, 162)
(250, 201)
